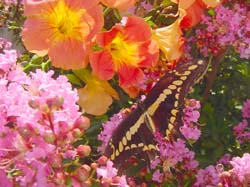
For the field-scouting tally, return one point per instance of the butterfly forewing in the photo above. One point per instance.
(161, 111)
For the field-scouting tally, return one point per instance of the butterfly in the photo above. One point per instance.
(161, 111)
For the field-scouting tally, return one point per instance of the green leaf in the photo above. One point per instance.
(74, 79)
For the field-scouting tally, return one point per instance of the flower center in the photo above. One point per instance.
(64, 21)
(123, 52)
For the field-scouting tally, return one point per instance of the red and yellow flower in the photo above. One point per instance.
(62, 29)
(125, 49)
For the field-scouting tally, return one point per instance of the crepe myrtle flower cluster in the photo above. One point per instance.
(241, 130)
(227, 26)
(39, 122)
(237, 175)
(189, 129)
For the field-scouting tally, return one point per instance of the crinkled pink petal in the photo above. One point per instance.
(69, 54)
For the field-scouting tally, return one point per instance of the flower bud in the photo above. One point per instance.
(102, 160)
(82, 123)
(83, 150)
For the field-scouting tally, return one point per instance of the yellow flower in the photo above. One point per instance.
(96, 97)
(170, 39)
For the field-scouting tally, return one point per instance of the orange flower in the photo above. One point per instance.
(170, 39)
(96, 97)
(119, 4)
(125, 50)
(62, 29)
(194, 10)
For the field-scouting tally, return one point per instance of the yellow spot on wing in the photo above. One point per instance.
(174, 112)
(128, 135)
(178, 82)
(177, 96)
(167, 91)
(124, 141)
(172, 87)
(192, 67)
(132, 146)
(140, 145)
(117, 153)
(170, 126)
(145, 148)
(120, 147)
(183, 78)
(172, 119)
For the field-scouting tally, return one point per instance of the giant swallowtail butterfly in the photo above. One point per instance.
(161, 111)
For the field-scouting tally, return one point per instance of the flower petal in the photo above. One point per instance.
(36, 35)
(68, 54)
(102, 65)
(129, 75)
(95, 102)
(150, 53)
(131, 27)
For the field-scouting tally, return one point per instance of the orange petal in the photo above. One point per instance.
(102, 65)
(132, 91)
(133, 24)
(129, 75)
(193, 15)
(35, 36)
(68, 54)
(76, 4)
(150, 53)
(119, 4)
(30, 6)
(96, 22)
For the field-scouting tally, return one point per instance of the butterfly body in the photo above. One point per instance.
(161, 111)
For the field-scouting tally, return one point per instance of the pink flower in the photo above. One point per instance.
(207, 177)
(246, 109)
(157, 176)
(7, 60)
(107, 171)
(4, 180)
(241, 166)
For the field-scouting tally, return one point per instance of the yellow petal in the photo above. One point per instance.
(96, 97)
(170, 39)
(212, 3)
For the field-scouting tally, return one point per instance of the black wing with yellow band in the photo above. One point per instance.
(161, 111)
